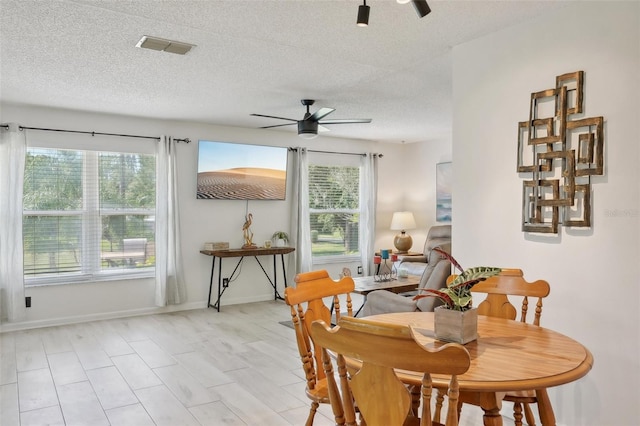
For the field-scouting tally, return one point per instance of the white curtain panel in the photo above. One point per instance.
(301, 235)
(12, 157)
(368, 191)
(170, 286)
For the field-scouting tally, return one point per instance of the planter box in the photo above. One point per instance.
(456, 326)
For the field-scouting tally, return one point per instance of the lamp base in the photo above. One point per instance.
(403, 242)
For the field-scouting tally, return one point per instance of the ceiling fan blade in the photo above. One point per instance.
(277, 125)
(272, 116)
(319, 114)
(346, 121)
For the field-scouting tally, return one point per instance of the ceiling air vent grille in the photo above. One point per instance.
(161, 44)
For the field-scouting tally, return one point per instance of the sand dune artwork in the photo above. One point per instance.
(242, 184)
(228, 171)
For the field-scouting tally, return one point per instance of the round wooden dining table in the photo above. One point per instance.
(507, 356)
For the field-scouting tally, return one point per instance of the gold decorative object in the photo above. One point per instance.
(248, 234)
(561, 152)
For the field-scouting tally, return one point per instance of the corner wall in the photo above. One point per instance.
(595, 286)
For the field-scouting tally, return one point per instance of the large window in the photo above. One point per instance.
(334, 209)
(88, 215)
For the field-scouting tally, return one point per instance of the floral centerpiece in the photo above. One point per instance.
(456, 320)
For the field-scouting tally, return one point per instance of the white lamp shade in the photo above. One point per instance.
(402, 221)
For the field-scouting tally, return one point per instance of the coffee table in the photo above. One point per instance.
(365, 285)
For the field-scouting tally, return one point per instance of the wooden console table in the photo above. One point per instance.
(242, 253)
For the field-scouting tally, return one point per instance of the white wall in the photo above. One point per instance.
(408, 182)
(420, 160)
(201, 220)
(592, 272)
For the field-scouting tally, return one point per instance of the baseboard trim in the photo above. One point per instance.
(6, 327)
(28, 325)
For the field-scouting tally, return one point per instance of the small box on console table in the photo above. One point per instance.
(216, 246)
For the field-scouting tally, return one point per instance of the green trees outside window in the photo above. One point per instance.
(334, 203)
(81, 206)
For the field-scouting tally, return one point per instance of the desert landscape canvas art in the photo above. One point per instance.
(236, 171)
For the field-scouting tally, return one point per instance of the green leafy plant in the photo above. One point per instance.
(280, 235)
(457, 294)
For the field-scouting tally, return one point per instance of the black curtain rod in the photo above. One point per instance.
(6, 126)
(335, 152)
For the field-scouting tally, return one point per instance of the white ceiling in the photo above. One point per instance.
(252, 56)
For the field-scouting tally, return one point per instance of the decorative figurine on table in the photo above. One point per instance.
(248, 234)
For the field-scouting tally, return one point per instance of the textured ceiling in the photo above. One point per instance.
(252, 56)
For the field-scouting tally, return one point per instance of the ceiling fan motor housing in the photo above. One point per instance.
(307, 127)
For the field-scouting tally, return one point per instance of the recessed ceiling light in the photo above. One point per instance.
(161, 44)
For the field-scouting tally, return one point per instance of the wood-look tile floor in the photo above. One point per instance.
(201, 367)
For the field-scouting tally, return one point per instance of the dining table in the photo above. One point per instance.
(507, 356)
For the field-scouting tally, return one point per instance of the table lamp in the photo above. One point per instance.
(402, 221)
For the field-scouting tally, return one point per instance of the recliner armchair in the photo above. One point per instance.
(435, 275)
(437, 236)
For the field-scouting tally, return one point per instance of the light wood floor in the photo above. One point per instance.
(200, 367)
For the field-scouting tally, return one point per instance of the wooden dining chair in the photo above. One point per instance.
(381, 397)
(307, 305)
(501, 290)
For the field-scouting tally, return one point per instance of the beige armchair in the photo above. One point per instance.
(434, 276)
(437, 236)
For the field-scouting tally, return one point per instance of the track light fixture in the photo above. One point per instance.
(421, 6)
(363, 14)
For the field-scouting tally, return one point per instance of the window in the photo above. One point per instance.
(334, 208)
(88, 215)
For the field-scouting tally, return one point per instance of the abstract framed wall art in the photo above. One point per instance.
(559, 151)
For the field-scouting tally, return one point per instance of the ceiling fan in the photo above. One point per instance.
(310, 124)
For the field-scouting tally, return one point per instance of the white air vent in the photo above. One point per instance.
(171, 46)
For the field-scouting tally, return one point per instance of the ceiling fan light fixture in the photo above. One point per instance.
(363, 14)
(403, 1)
(308, 135)
(422, 8)
(308, 129)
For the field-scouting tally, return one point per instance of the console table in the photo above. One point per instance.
(242, 253)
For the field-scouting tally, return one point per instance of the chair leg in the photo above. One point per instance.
(517, 413)
(437, 412)
(528, 414)
(312, 413)
(415, 400)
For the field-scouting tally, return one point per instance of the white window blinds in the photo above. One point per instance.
(334, 205)
(87, 215)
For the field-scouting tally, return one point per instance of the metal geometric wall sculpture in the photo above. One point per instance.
(561, 151)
